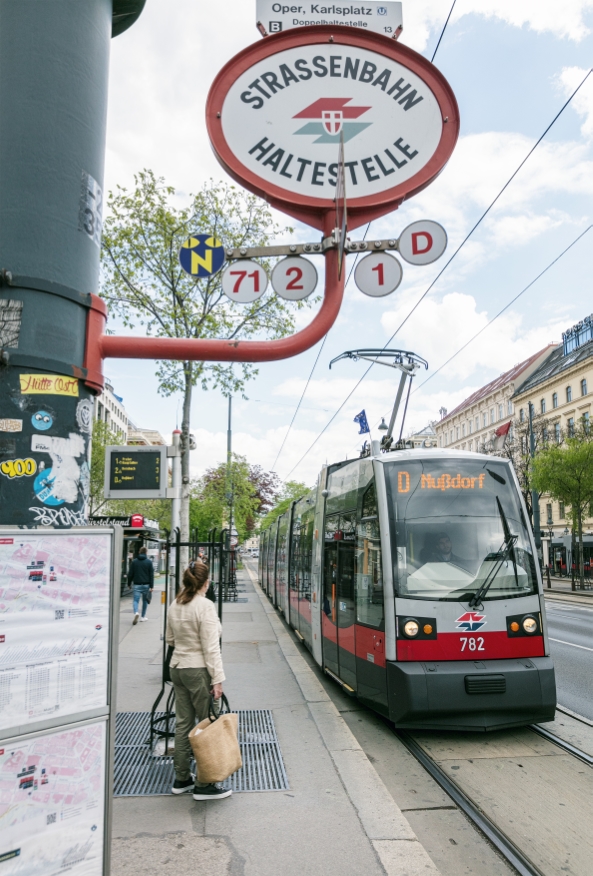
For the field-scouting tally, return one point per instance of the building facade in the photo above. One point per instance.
(145, 437)
(109, 408)
(561, 391)
(473, 425)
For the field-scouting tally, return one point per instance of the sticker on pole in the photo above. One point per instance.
(422, 242)
(378, 274)
(294, 278)
(244, 281)
(202, 255)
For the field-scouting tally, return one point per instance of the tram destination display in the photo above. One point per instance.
(136, 472)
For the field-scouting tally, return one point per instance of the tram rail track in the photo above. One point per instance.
(505, 846)
(562, 743)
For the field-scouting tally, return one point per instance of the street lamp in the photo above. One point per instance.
(383, 427)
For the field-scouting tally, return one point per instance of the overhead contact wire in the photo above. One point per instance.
(444, 268)
(315, 364)
(442, 32)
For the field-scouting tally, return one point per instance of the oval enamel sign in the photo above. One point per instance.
(278, 111)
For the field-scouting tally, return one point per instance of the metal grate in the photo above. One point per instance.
(139, 773)
(485, 684)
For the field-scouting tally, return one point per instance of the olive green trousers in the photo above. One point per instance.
(192, 695)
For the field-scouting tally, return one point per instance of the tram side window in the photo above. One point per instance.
(369, 572)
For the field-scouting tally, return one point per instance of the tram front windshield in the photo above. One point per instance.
(458, 526)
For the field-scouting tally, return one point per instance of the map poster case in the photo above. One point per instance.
(52, 802)
(55, 624)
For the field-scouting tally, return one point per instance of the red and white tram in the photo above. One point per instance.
(412, 578)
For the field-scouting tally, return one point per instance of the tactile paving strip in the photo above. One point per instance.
(139, 773)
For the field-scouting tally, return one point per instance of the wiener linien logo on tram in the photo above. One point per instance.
(284, 117)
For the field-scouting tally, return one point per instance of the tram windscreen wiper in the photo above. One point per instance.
(506, 550)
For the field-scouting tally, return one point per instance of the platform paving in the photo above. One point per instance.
(338, 816)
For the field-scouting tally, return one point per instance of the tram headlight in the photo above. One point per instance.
(411, 628)
(530, 625)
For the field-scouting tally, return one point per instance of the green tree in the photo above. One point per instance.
(102, 437)
(291, 490)
(565, 471)
(209, 505)
(144, 284)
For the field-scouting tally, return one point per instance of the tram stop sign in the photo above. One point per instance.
(277, 112)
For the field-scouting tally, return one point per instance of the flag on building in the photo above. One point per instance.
(500, 436)
(362, 421)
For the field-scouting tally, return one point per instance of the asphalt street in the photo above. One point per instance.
(570, 628)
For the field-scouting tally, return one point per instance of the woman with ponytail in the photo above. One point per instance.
(193, 630)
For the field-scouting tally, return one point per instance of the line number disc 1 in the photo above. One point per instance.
(244, 281)
(422, 242)
(378, 274)
(294, 278)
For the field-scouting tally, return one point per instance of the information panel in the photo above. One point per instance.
(381, 16)
(52, 802)
(135, 472)
(54, 625)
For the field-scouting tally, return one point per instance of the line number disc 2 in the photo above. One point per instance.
(294, 278)
(378, 274)
(422, 242)
(244, 281)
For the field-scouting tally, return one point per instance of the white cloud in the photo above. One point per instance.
(446, 324)
(423, 17)
(582, 102)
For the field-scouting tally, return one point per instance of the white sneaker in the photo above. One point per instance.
(143, 619)
(136, 618)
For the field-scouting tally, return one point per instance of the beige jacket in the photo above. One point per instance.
(194, 630)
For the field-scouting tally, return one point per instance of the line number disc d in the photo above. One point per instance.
(244, 281)
(422, 242)
(378, 274)
(294, 278)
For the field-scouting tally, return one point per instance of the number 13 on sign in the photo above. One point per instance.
(244, 281)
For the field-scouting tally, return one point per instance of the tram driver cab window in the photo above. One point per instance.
(369, 571)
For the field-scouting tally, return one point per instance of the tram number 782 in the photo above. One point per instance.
(472, 644)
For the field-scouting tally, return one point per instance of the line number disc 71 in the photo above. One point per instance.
(378, 274)
(244, 281)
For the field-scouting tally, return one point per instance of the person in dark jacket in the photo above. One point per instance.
(141, 575)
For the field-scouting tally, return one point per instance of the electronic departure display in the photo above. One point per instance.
(135, 472)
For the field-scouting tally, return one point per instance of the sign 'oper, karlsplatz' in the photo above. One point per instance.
(382, 17)
(277, 114)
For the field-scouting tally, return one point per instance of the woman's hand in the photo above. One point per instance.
(216, 691)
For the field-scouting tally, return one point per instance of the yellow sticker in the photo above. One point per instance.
(16, 468)
(49, 384)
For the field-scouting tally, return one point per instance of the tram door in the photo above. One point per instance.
(338, 616)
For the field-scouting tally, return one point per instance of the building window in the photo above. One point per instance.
(463, 430)
(545, 434)
(542, 405)
(549, 513)
(470, 445)
(586, 422)
(571, 427)
(471, 427)
(569, 393)
(492, 415)
(557, 433)
(521, 416)
(477, 424)
(554, 399)
(561, 511)
(509, 407)
(484, 420)
(583, 387)
(451, 438)
(457, 433)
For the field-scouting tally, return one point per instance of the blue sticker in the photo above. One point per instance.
(44, 486)
(201, 255)
(42, 421)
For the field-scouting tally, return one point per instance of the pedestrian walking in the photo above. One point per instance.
(141, 575)
(193, 630)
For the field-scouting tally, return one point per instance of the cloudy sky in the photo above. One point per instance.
(511, 64)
